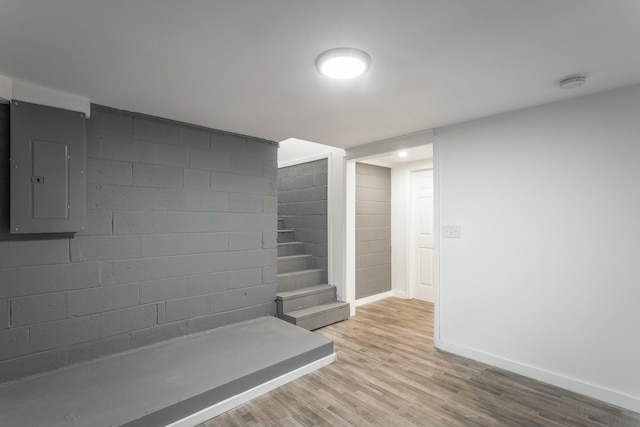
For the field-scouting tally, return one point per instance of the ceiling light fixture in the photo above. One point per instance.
(343, 63)
(402, 154)
(572, 82)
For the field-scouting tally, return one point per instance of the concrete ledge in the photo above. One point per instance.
(239, 399)
(173, 383)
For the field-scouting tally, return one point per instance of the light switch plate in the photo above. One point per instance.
(451, 231)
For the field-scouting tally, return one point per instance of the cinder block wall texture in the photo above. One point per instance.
(302, 202)
(373, 230)
(180, 238)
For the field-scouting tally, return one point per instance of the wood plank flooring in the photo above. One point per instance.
(389, 374)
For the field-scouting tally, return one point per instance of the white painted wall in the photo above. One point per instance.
(295, 151)
(545, 279)
(401, 218)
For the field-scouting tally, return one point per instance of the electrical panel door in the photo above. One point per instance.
(47, 169)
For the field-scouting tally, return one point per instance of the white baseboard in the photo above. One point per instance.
(597, 392)
(244, 397)
(401, 294)
(373, 298)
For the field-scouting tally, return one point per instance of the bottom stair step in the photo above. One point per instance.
(318, 316)
(305, 297)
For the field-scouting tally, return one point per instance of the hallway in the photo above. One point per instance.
(389, 374)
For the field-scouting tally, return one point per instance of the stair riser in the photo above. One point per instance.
(294, 264)
(295, 249)
(285, 236)
(299, 281)
(321, 319)
(280, 224)
(305, 301)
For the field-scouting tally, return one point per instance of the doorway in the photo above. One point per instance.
(412, 223)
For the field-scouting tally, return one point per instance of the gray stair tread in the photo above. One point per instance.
(286, 257)
(290, 248)
(312, 311)
(285, 231)
(309, 290)
(299, 272)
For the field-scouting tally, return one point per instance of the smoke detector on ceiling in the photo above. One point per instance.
(572, 82)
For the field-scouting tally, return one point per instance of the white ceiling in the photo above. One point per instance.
(247, 66)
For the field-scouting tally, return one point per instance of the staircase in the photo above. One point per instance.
(304, 298)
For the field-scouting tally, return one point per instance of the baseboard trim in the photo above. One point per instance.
(373, 298)
(612, 397)
(239, 399)
(401, 294)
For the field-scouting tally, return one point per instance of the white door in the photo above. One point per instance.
(421, 241)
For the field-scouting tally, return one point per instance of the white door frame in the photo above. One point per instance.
(350, 234)
(436, 241)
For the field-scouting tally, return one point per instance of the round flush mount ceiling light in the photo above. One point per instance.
(343, 63)
(572, 82)
(402, 154)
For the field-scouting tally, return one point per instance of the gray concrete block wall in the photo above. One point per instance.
(373, 230)
(180, 232)
(302, 202)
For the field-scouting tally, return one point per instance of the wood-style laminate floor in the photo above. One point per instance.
(389, 374)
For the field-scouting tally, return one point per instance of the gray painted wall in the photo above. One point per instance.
(373, 230)
(302, 202)
(180, 238)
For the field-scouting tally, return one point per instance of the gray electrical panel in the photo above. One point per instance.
(47, 169)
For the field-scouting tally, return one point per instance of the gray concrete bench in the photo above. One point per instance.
(177, 383)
